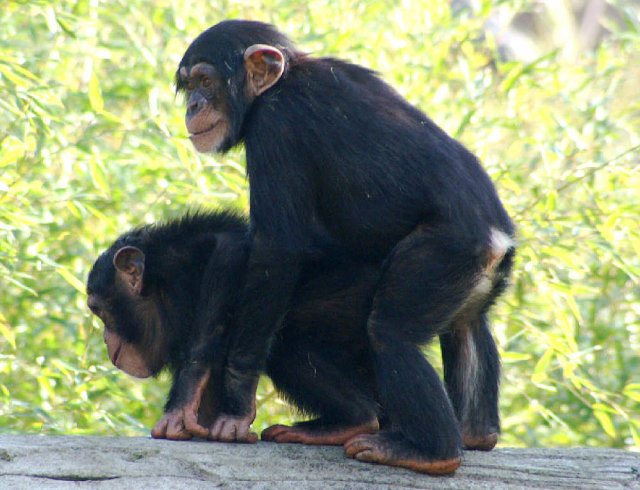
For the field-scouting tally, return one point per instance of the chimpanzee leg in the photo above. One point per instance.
(471, 374)
(316, 380)
(428, 278)
(469, 353)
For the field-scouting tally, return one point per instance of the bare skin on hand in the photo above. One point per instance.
(181, 424)
(231, 428)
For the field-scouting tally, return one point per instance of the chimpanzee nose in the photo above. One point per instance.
(194, 106)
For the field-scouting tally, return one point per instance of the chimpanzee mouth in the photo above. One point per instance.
(200, 133)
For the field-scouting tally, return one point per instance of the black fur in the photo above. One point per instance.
(333, 150)
(320, 358)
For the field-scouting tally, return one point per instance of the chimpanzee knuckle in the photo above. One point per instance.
(216, 429)
(192, 426)
(227, 432)
(179, 435)
(159, 430)
(176, 431)
(242, 430)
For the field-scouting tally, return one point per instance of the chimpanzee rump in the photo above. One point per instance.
(332, 149)
(167, 295)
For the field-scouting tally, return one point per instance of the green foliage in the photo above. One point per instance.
(92, 142)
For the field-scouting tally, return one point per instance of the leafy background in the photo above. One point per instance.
(92, 142)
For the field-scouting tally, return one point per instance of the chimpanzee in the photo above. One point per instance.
(167, 295)
(334, 151)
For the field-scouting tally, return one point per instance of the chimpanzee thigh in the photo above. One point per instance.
(428, 277)
(327, 380)
(469, 353)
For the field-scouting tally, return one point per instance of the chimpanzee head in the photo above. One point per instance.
(222, 72)
(132, 317)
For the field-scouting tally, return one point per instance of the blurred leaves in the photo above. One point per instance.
(92, 142)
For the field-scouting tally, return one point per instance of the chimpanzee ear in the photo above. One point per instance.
(129, 264)
(264, 65)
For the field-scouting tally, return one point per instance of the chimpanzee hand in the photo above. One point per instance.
(238, 411)
(233, 428)
(180, 424)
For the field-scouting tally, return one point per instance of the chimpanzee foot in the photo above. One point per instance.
(314, 433)
(480, 443)
(392, 449)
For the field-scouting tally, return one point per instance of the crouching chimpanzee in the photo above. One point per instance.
(167, 296)
(332, 149)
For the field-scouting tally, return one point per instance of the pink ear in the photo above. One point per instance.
(265, 65)
(264, 50)
(129, 264)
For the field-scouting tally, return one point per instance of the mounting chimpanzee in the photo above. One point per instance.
(167, 296)
(333, 150)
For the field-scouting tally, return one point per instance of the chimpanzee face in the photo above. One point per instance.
(207, 115)
(114, 295)
(212, 106)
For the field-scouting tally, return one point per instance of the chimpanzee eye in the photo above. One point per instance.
(190, 85)
(206, 82)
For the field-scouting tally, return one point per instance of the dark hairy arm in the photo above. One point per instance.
(201, 371)
(281, 210)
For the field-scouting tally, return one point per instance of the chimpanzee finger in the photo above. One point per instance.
(252, 438)
(175, 428)
(228, 430)
(216, 429)
(191, 424)
(159, 430)
(244, 434)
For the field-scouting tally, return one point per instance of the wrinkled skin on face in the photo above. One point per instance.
(207, 114)
(208, 117)
(125, 356)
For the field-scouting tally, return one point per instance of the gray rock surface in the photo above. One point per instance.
(64, 462)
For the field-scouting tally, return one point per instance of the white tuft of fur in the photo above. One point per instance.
(500, 242)
(471, 375)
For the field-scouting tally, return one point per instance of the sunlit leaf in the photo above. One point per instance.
(71, 279)
(6, 332)
(632, 391)
(95, 93)
(605, 422)
(514, 357)
(98, 177)
(541, 367)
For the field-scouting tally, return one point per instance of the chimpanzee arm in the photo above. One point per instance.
(203, 363)
(281, 213)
